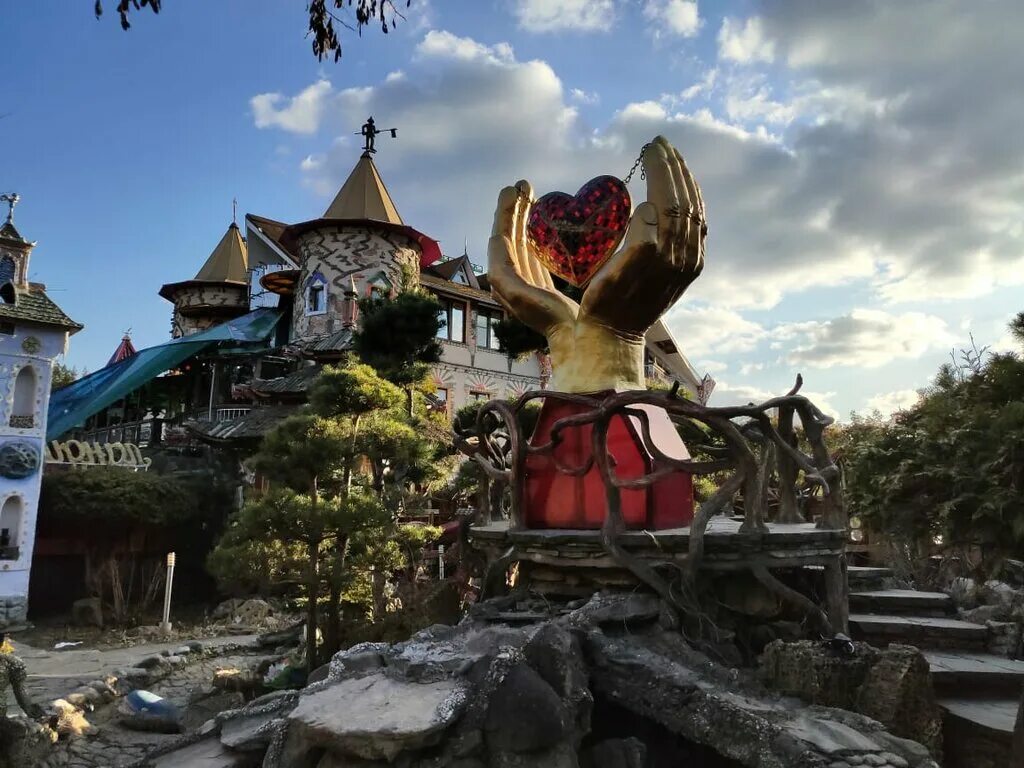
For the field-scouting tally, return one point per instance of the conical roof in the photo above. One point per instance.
(124, 350)
(8, 232)
(364, 196)
(229, 261)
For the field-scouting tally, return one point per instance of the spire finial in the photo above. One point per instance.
(127, 334)
(234, 211)
(11, 199)
(369, 132)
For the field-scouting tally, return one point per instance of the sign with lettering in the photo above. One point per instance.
(82, 454)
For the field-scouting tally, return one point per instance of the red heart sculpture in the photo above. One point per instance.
(574, 236)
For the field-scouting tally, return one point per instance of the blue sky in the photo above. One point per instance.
(861, 162)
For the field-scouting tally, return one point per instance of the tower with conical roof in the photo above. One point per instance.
(219, 291)
(360, 243)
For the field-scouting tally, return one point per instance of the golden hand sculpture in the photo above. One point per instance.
(598, 344)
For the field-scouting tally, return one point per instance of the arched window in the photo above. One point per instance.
(316, 294)
(7, 270)
(10, 528)
(23, 413)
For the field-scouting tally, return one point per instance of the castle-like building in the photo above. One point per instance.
(33, 332)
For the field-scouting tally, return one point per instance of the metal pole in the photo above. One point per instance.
(213, 378)
(440, 561)
(166, 624)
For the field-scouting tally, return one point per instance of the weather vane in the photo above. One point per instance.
(12, 200)
(369, 132)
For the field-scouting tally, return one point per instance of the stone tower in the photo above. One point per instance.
(219, 291)
(360, 244)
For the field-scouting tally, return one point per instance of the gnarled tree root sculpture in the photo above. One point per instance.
(498, 445)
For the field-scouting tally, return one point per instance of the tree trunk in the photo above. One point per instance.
(408, 400)
(312, 615)
(332, 634)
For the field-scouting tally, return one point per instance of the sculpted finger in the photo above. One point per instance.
(531, 269)
(643, 226)
(688, 183)
(696, 195)
(661, 187)
(504, 214)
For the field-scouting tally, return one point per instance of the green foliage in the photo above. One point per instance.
(341, 472)
(518, 340)
(62, 375)
(352, 390)
(952, 466)
(398, 336)
(119, 496)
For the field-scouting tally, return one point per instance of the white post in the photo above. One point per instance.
(213, 380)
(165, 625)
(440, 561)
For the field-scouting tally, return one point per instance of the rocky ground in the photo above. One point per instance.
(603, 684)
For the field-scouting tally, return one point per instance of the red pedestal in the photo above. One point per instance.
(556, 500)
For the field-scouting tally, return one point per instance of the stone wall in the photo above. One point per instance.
(339, 255)
(13, 610)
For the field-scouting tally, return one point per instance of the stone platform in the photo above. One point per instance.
(576, 563)
(726, 547)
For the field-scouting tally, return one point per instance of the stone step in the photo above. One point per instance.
(978, 732)
(901, 601)
(958, 673)
(922, 631)
(859, 577)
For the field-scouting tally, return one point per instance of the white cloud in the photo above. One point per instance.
(675, 17)
(441, 44)
(711, 366)
(865, 338)
(713, 330)
(888, 403)
(584, 97)
(563, 15)
(744, 42)
(300, 114)
(873, 181)
(726, 394)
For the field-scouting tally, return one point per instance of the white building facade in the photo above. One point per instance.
(33, 332)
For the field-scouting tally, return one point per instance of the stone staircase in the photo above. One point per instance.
(978, 691)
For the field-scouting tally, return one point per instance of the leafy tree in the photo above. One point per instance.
(62, 375)
(323, 16)
(951, 468)
(337, 471)
(398, 337)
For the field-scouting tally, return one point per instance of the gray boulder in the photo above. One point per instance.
(525, 714)
(87, 612)
(375, 717)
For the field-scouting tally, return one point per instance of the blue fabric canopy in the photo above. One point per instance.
(72, 405)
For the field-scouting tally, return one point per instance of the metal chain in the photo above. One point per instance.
(639, 160)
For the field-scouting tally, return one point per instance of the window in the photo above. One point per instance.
(6, 270)
(316, 299)
(441, 394)
(7, 329)
(23, 413)
(10, 528)
(380, 287)
(460, 277)
(479, 396)
(453, 321)
(485, 322)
